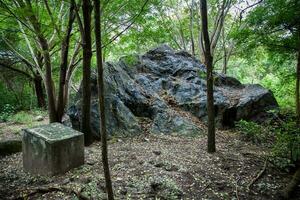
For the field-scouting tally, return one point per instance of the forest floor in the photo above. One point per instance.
(153, 167)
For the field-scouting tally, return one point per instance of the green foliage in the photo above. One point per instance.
(272, 70)
(253, 132)
(130, 60)
(288, 141)
(286, 133)
(23, 117)
(272, 24)
(6, 97)
(202, 74)
(267, 45)
(281, 134)
(92, 190)
(16, 91)
(165, 188)
(6, 111)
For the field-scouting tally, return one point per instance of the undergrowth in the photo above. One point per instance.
(281, 134)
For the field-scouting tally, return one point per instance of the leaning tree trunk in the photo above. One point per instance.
(211, 146)
(298, 88)
(97, 20)
(39, 91)
(86, 73)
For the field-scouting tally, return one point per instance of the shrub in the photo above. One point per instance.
(251, 131)
(287, 145)
(6, 112)
(26, 117)
(21, 117)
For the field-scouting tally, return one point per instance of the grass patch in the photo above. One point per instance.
(26, 117)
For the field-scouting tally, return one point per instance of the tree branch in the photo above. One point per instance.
(16, 70)
(133, 21)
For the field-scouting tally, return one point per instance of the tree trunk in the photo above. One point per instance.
(47, 60)
(293, 184)
(39, 91)
(86, 73)
(211, 146)
(192, 28)
(97, 20)
(224, 70)
(61, 100)
(298, 89)
(49, 81)
(66, 92)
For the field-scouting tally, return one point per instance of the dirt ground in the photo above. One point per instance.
(155, 167)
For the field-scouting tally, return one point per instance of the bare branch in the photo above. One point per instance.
(248, 7)
(125, 29)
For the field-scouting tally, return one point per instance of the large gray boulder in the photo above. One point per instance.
(169, 89)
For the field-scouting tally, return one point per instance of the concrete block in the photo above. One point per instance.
(52, 149)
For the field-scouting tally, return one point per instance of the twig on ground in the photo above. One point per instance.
(203, 189)
(258, 175)
(44, 190)
(236, 188)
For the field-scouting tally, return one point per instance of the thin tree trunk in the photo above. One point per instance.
(192, 28)
(61, 101)
(211, 147)
(86, 73)
(49, 81)
(224, 52)
(66, 92)
(39, 91)
(298, 89)
(224, 70)
(200, 41)
(47, 60)
(49, 84)
(181, 33)
(97, 20)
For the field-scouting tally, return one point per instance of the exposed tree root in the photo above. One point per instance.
(236, 188)
(44, 190)
(258, 175)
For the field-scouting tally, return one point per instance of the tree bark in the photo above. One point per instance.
(192, 28)
(86, 73)
(39, 91)
(211, 147)
(47, 60)
(298, 88)
(49, 81)
(63, 84)
(288, 191)
(97, 21)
